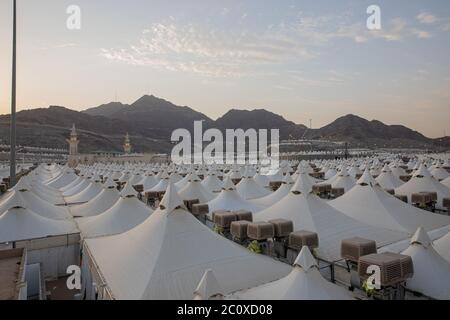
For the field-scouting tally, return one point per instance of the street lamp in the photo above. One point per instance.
(12, 151)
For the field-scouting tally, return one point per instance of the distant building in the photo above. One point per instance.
(73, 147)
(127, 144)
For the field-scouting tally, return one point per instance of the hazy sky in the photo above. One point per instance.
(303, 59)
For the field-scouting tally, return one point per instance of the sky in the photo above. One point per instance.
(301, 59)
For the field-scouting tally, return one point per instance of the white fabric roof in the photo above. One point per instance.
(166, 256)
(28, 199)
(303, 283)
(423, 182)
(194, 190)
(125, 214)
(23, 224)
(374, 206)
(249, 189)
(102, 202)
(276, 196)
(86, 195)
(387, 180)
(431, 271)
(442, 246)
(446, 182)
(212, 183)
(229, 199)
(309, 212)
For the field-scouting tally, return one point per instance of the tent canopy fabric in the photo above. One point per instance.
(166, 256)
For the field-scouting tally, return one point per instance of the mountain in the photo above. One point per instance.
(150, 122)
(50, 127)
(152, 116)
(362, 132)
(259, 119)
(106, 110)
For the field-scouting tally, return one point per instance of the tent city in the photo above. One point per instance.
(271, 185)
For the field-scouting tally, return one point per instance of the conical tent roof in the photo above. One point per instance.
(276, 196)
(77, 189)
(431, 271)
(212, 183)
(166, 256)
(28, 199)
(125, 214)
(86, 195)
(440, 173)
(194, 190)
(387, 180)
(442, 246)
(102, 202)
(309, 212)
(343, 180)
(374, 206)
(446, 182)
(63, 180)
(249, 189)
(229, 199)
(423, 182)
(19, 223)
(208, 288)
(303, 283)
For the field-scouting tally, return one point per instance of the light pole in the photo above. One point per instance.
(12, 151)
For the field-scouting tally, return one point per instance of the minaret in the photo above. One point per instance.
(73, 142)
(127, 144)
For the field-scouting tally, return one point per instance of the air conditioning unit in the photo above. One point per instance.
(244, 215)
(321, 188)
(189, 203)
(282, 228)
(298, 239)
(402, 197)
(213, 214)
(354, 248)
(224, 219)
(337, 192)
(423, 197)
(446, 203)
(239, 229)
(260, 231)
(200, 209)
(395, 268)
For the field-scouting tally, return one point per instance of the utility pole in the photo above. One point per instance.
(12, 151)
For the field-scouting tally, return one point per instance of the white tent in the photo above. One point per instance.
(387, 180)
(63, 180)
(422, 181)
(161, 186)
(19, 223)
(276, 196)
(303, 283)
(229, 199)
(343, 180)
(194, 190)
(77, 189)
(27, 199)
(442, 245)
(440, 173)
(446, 182)
(166, 256)
(370, 204)
(308, 212)
(86, 195)
(212, 183)
(148, 181)
(102, 202)
(125, 214)
(431, 271)
(262, 180)
(249, 189)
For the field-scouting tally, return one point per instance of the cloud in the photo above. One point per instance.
(421, 34)
(190, 48)
(426, 18)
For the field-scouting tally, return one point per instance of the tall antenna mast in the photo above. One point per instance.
(12, 151)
